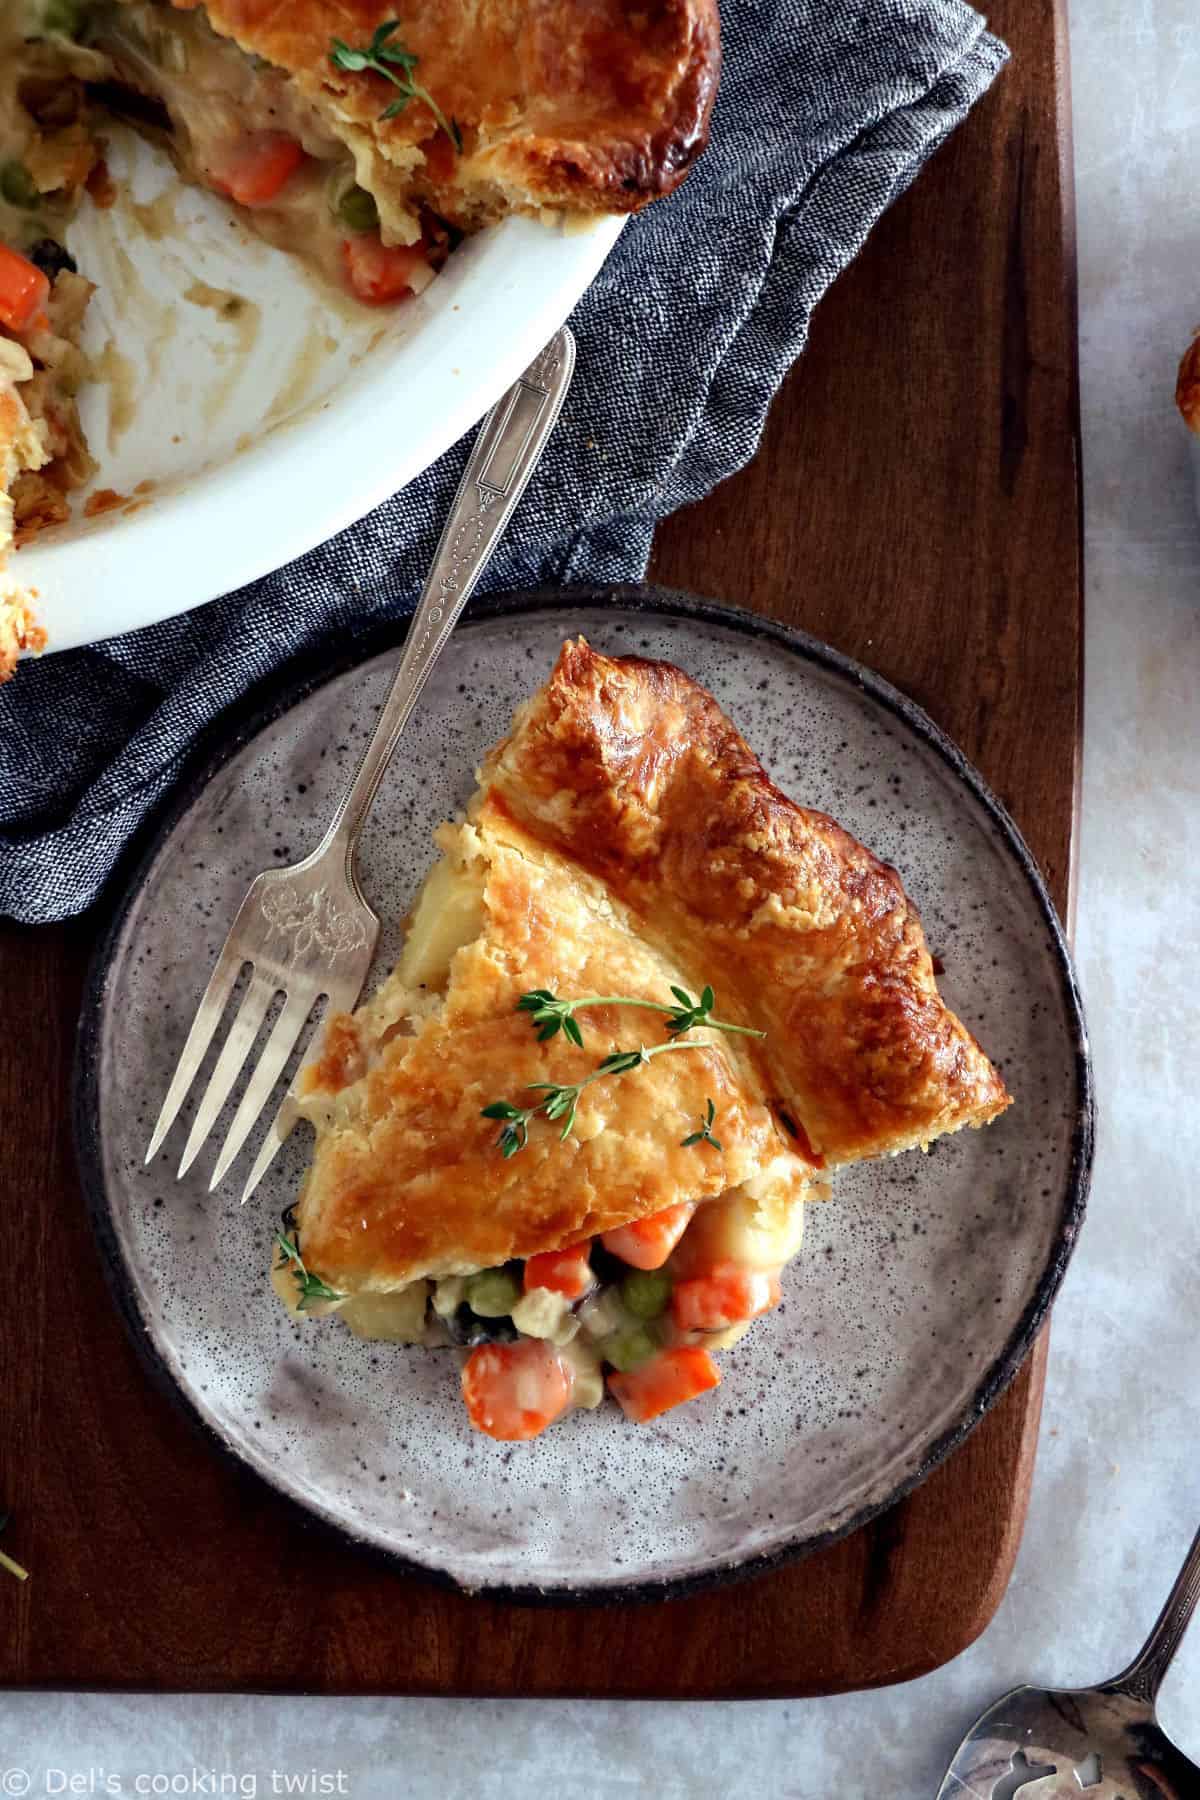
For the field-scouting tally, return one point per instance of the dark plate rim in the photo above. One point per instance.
(267, 702)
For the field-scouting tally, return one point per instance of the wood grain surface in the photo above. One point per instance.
(915, 503)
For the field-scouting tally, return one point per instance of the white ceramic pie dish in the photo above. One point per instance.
(240, 437)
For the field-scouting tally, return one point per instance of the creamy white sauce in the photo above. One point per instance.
(216, 94)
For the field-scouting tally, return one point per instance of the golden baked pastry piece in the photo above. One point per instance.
(624, 839)
(588, 105)
(408, 1180)
(43, 456)
(632, 768)
(1187, 385)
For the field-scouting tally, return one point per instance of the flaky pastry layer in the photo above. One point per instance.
(631, 769)
(624, 839)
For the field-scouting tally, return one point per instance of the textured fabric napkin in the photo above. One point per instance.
(827, 111)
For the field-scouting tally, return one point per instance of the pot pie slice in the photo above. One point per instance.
(645, 1005)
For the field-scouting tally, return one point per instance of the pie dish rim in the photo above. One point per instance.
(464, 341)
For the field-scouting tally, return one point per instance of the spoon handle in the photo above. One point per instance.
(1143, 1678)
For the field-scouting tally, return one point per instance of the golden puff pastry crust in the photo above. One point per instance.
(632, 770)
(589, 105)
(624, 840)
(408, 1180)
(1187, 385)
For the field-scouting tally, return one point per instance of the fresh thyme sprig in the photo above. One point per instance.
(549, 1014)
(311, 1287)
(396, 64)
(704, 1135)
(562, 1098)
(7, 1562)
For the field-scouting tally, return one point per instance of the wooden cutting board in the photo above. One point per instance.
(915, 503)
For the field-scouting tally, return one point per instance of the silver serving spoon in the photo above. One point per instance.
(1101, 1743)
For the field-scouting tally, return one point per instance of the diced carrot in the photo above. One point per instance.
(24, 290)
(565, 1271)
(647, 1243)
(379, 272)
(667, 1380)
(725, 1296)
(255, 168)
(513, 1391)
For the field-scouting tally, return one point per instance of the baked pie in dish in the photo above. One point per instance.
(646, 1007)
(48, 156)
(363, 144)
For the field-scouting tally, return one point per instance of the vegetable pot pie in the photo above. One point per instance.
(646, 1006)
(362, 143)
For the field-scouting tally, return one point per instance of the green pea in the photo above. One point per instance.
(627, 1349)
(16, 186)
(357, 209)
(646, 1292)
(492, 1293)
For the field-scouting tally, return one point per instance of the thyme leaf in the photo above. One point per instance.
(560, 1099)
(704, 1135)
(311, 1287)
(387, 55)
(549, 1014)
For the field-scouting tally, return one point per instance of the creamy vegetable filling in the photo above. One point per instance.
(47, 155)
(639, 1309)
(234, 123)
(713, 1271)
(47, 149)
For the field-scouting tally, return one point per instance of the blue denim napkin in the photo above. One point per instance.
(827, 111)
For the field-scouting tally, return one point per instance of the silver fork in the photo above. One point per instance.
(306, 931)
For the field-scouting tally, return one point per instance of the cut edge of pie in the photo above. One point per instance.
(43, 453)
(46, 136)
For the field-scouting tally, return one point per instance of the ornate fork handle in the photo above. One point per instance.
(494, 479)
(310, 922)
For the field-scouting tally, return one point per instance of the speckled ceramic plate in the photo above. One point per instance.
(920, 1285)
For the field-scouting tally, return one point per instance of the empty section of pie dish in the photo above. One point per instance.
(919, 1284)
(245, 412)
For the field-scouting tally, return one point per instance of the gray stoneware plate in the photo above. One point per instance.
(920, 1285)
